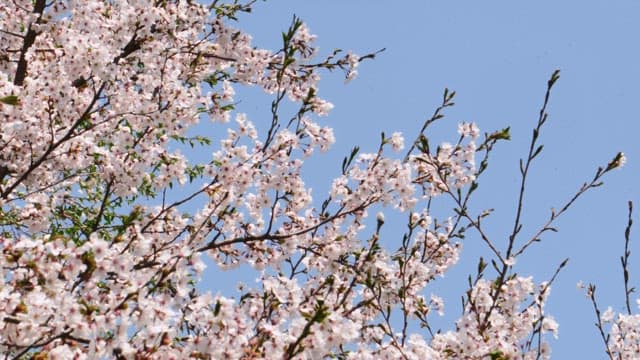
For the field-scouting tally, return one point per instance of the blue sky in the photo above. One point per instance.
(498, 56)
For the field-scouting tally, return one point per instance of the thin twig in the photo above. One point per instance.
(605, 338)
(534, 150)
(625, 259)
(446, 102)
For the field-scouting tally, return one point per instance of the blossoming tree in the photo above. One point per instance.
(107, 227)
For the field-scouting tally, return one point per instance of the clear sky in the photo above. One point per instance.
(498, 56)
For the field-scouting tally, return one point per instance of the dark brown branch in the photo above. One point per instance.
(103, 205)
(12, 33)
(41, 342)
(277, 237)
(219, 57)
(132, 46)
(29, 39)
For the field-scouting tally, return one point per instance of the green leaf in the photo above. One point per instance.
(227, 107)
(10, 100)
(500, 135)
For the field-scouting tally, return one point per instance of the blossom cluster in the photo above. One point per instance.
(624, 335)
(482, 333)
(101, 259)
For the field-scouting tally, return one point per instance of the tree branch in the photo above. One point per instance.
(29, 39)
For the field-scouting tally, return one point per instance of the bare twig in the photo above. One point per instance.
(595, 182)
(591, 291)
(625, 259)
(534, 150)
(437, 114)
